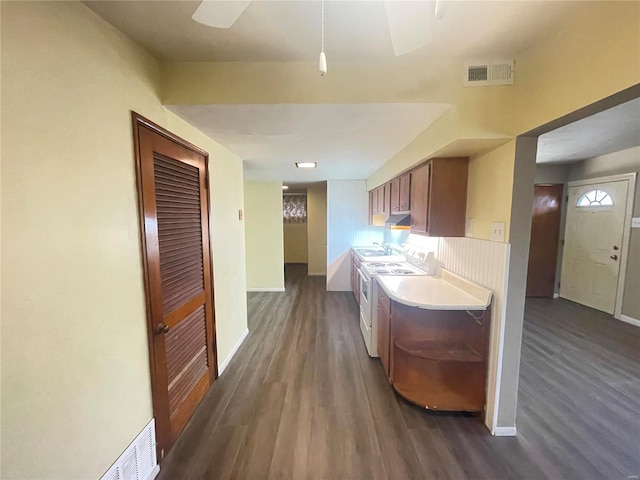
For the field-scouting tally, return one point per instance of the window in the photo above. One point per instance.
(294, 208)
(595, 198)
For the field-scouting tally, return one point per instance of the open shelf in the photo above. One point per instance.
(439, 350)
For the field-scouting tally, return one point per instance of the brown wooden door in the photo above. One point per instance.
(174, 207)
(545, 233)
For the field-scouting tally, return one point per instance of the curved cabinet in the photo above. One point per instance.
(436, 358)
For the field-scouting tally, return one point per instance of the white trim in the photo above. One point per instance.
(225, 363)
(556, 295)
(503, 317)
(154, 473)
(626, 229)
(505, 432)
(266, 289)
(631, 320)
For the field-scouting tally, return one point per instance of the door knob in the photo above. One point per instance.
(162, 328)
(614, 257)
(615, 247)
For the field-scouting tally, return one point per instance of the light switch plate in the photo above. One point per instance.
(468, 227)
(635, 222)
(497, 232)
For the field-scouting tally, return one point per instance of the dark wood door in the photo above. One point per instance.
(420, 198)
(545, 233)
(174, 208)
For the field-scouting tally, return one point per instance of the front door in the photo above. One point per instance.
(174, 208)
(593, 244)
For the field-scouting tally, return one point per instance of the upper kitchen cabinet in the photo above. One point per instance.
(401, 193)
(439, 197)
(379, 203)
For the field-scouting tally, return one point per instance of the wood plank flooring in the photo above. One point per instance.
(303, 400)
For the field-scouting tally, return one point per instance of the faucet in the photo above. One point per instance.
(387, 249)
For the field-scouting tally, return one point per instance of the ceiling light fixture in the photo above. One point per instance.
(306, 164)
(285, 187)
(322, 63)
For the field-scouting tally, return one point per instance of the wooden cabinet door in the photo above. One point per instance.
(380, 197)
(371, 208)
(405, 192)
(384, 323)
(420, 178)
(395, 195)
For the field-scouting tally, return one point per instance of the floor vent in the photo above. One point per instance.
(138, 462)
(488, 73)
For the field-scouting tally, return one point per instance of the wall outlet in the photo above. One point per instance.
(497, 231)
(635, 222)
(240, 214)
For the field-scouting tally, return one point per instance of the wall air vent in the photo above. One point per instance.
(488, 73)
(138, 462)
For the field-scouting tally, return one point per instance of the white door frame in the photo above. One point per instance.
(626, 229)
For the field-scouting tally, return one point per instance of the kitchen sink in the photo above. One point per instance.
(371, 252)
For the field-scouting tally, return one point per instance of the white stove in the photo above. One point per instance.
(369, 296)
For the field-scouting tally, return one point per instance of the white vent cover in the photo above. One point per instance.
(488, 73)
(138, 462)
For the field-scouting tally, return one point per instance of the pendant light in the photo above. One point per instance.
(322, 63)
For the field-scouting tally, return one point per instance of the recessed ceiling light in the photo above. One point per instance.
(306, 164)
(285, 187)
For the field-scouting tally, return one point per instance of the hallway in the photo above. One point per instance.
(302, 399)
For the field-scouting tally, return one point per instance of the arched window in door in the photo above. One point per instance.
(595, 198)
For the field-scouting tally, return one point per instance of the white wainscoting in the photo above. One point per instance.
(485, 263)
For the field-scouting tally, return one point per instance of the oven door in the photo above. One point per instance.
(365, 296)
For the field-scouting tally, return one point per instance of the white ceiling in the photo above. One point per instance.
(285, 31)
(609, 131)
(349, 141)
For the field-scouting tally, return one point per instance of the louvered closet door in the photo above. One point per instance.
(174, 188)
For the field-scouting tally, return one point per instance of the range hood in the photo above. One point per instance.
(398, 222)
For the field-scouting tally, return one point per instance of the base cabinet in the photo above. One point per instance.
(355, 277)
(436, 359)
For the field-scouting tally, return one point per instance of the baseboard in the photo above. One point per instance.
(154, 473)
(556, 295)
(233, 351)
(320, 274)
(631, 320)
(505, 432)
(261, 289)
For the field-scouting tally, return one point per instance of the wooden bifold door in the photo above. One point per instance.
(174, 216)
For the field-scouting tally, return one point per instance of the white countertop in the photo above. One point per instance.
(444, 292)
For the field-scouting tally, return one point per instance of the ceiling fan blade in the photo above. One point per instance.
(409, 24)
(219, 14)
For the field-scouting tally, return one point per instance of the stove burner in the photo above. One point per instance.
(377, 264)
(393, 265)
(401, 271)
(381, 271)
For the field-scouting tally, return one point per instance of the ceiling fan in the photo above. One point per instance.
(408, 20)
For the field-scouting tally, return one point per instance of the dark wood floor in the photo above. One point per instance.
(302, 399)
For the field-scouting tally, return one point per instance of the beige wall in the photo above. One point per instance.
(295, 243)
(624, 161)
(317, 228)
(264, 236)
(75, 366)
(487, 199)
